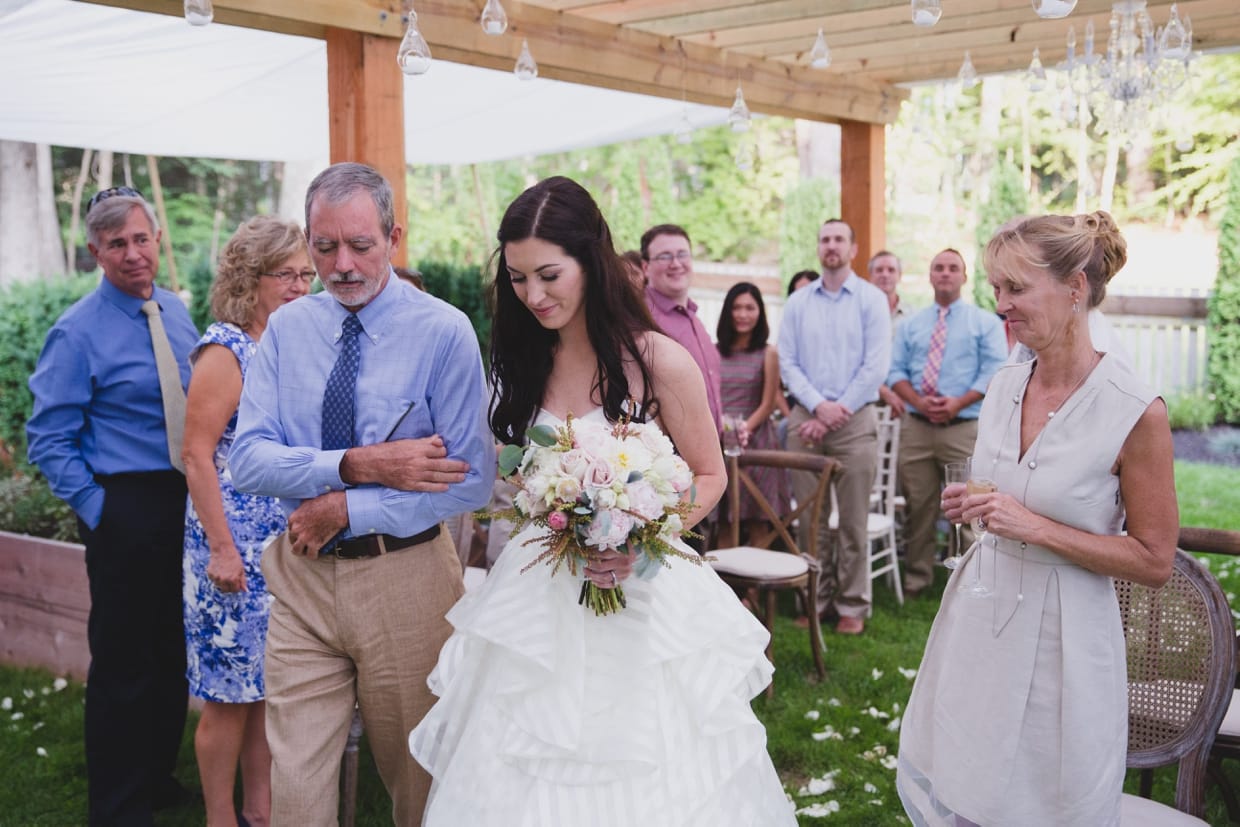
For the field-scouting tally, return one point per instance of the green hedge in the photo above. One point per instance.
(27, 312)
(464, 287)
(1223, 362)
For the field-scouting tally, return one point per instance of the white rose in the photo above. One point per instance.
(602, 498)
(567, 490)
(645, 501)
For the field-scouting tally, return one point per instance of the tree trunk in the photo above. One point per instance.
(818, 149)
(23, 215)
(51, 248)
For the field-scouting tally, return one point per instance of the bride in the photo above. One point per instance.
(548, 714)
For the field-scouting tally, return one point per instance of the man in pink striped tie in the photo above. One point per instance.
(941, 361)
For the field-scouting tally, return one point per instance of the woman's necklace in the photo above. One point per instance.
(1097, 358)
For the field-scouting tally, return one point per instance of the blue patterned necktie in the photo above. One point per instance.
(339, 397)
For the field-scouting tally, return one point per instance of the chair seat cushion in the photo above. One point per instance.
(876, 525)
(1135, 811)
(747, 561)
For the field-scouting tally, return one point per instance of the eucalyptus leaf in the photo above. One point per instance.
(510, 459)
(634, 476)
(543, 435)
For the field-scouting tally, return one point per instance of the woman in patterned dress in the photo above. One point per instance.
(749, 368)
(265, 265)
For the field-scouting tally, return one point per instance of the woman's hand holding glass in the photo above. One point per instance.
(955, 475)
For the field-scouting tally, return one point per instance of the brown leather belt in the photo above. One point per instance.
(372, 545)
(959, 420)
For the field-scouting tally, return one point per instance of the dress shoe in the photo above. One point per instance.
(827, 615)
(850, 626)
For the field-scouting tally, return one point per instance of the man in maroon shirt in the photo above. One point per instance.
(667, 261)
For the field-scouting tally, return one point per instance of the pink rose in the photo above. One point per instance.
(600, 474)
(557, 520)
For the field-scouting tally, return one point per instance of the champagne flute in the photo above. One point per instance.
(953, 473)
(978, 484)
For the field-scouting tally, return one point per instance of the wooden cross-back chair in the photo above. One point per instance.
(1181, 669)
(756, 565)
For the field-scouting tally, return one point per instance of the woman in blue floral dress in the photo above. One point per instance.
(265, 265)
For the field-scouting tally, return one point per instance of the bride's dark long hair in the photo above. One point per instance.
(558, 210)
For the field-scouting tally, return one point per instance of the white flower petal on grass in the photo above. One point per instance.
(28, 693)
(833, 702)
(870, 788)
(852, 730)
(812, 715)
(820, 809)
(876, 713)
(908, 673)
(47, 690)
(818, 786)
(17, 716)
(827, 732)
(894, 724)
(877, 802)
(895, 707)
(875, 674)
(888, 763)
(42, 753)
(6, 704)
(59, 684)
(37, 726)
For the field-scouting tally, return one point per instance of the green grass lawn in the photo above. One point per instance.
(838, 736)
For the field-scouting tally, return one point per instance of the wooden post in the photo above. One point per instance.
(863, 186)
(366, 110)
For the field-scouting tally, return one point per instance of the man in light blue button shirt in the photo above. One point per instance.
(364, 575)
(940, 425)
(834, 352)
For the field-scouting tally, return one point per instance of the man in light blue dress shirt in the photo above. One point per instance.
(99, 435)
(940, 425)
(834, 352)
(364, 575)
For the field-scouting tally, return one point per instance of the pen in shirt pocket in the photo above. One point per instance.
(400, 419)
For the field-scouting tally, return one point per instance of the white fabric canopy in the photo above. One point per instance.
(84, 75)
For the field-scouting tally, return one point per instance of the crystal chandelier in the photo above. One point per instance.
(1140, 71)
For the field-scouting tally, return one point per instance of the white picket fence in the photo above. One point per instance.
(1167, 351)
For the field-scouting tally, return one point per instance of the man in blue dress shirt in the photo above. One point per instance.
(364, 412)
(834, 352)
(943, 394)
(98, 433)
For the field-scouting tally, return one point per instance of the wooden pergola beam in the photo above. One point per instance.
(578, 50)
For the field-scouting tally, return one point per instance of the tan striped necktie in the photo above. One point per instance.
(169, 384)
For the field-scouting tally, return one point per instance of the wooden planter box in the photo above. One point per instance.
(44, 604)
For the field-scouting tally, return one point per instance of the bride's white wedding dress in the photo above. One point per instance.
(550, 716)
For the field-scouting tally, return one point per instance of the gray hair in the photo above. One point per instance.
(339, 182)
(112, 213)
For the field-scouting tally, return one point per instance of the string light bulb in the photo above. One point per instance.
(926, 12)
(494, 21)
(414, 55)
(199, 12)
(1053, 9)
(738, 115)
(820, 55)
(526, 68)
(1036, 74)
(967, 74)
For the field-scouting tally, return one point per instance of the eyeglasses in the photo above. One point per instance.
(667, 258)
(104, 195)
(290, 276)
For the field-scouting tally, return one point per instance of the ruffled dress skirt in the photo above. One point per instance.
(549, 715)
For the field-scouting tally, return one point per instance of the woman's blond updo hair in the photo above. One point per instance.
(260, 245)
(1062, 245)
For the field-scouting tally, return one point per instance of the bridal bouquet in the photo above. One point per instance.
(597, 486)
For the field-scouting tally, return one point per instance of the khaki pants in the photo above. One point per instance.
(845, 582)
(345, 632)
(925, 449)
